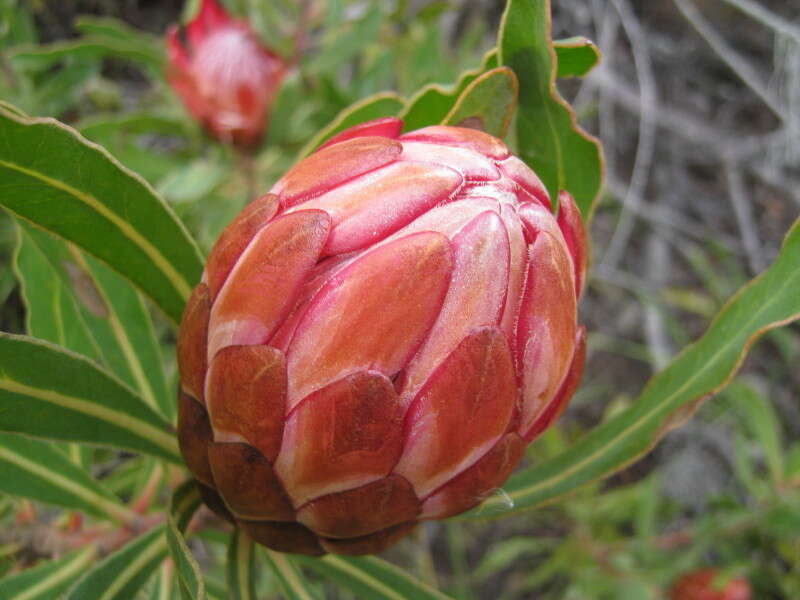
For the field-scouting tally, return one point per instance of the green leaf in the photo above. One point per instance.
(122, 574)
(759, 416)
(487, 103)
(192, 182)
(184, 503)
(385, 104)
(95, 47)
(14, 110)
(36, 470)
(576, 56)
(95, 127)
(16, 24)
(240, 568)
(348, 41)
(114, 28)
(47, 580)
(548, 136)
(431, 104)
(79, 192)
(163, 584)
(52, 311)
(47, 391)
(77, 302)
(138, 360)
(671, 396)
(370, 577)
(290, 579)
(60, 90)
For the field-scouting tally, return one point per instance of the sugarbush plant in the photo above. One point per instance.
(429, 249)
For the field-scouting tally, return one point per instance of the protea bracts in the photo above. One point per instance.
(225, 77)
(375, 341)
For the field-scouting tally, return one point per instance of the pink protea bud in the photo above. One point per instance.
(375, 341)
(223, 74)
(709, 584)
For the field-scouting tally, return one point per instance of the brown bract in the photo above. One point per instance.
(376, 340)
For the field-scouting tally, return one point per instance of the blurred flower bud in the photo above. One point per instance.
(225, 77)
(710, 584)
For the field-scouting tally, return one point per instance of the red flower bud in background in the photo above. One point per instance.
(225, 77)
(709, 584)
(375, 341)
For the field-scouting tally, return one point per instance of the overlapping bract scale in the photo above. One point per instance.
(376, 340)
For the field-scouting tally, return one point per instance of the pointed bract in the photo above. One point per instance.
(330, 167)
(473, 485)
(388, 127)
(569, 220)
(369, 544)
(557, 405)
(246, 397)
(260, 290)
(521, 174)
(406, 190)
(460, 137)
(343, 436)
(475, 298)
(192, 349)
(461, 412)
(362, 510)
(283, 536)
(373, 314)
(194, 436)
(248, 484)
(234, 239)
(546, 326)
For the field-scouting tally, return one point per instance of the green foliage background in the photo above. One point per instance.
(87, 457)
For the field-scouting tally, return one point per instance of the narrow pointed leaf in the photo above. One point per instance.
(91, 47)
(184, 503)
(37, 470)
(487, 103)
(77, 302)
(431, 104)
(97, 127)
(122, 574)
(763, 422)
(52, 311)
(239, 570)
(576, 56)
(385, 104)
(371, 577)
(163, 585)
(549, 139)
(80, 193)
(133, 335)
(671, 396)
(114, 28)
(291, 581)
(47, 580)
(46, 391)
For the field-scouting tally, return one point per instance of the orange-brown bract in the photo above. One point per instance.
(224, 76)
(375, 341)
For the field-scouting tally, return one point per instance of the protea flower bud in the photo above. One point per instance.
(223, 74)
(709, 584)
(374, 342)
